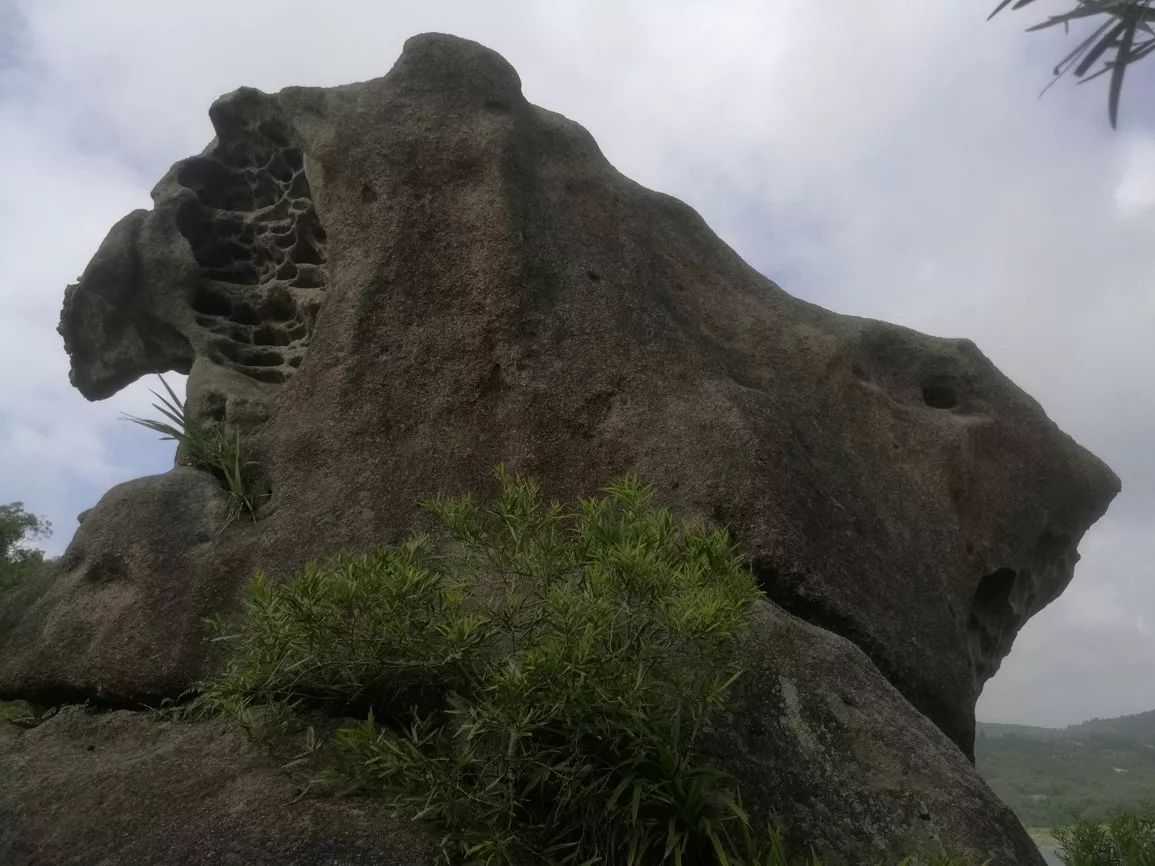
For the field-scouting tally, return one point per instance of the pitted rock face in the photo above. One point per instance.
(245, 251)
(392, 286)
(254, 231)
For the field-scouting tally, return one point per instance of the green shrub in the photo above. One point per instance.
(1127, 839)
(204, 446)
(535, 680)
(536, 684)
(17, 713)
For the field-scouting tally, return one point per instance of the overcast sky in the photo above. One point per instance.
(886, 159)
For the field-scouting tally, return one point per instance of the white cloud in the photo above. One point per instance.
(877, 162)
(1135, 193)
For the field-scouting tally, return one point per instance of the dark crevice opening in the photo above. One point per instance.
(939, 395)
(784, 590)
(993, 622)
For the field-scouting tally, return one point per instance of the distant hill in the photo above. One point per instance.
(1139, 727)
(998, 729)
(1049, 775)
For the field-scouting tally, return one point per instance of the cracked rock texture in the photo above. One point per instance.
(388, 287)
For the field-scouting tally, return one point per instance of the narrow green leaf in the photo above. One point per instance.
(1119, 68)
(1095, 53)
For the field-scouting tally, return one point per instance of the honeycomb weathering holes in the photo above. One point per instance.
(254, 232)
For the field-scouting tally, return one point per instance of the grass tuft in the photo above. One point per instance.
(204, 446)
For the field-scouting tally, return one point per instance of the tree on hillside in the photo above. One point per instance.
(17, 528)
(1123, 34)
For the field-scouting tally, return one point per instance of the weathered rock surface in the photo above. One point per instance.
(389, 287)
(825, 748)
(821, 743)
(121, 788)
(122, 611)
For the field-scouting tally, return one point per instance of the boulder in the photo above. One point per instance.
(388, 287)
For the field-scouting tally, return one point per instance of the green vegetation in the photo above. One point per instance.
(16, 712)
(17, 528)
(1123, 35)
(1050, 777)
(204, 446)
(537, 685)
(535, 682)
(1124, 840)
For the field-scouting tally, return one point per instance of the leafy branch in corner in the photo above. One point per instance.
(1124, 37)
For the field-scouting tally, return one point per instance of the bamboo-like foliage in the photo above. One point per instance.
(536, 684)
(535, 680)
(1124, 35)
(203, 446)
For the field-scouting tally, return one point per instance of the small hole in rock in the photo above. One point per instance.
(280, 306)
(309, 278)
(991, 612)
(210, 303)
(267, 335)
(279, 169)
(245, 314)
(305, 253)
(266, 192)
(267, 374)
(241, 275)
(274, 133)
(261, 358)
(277, 213)
(939, 395)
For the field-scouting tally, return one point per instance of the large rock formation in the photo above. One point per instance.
(389, 287)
